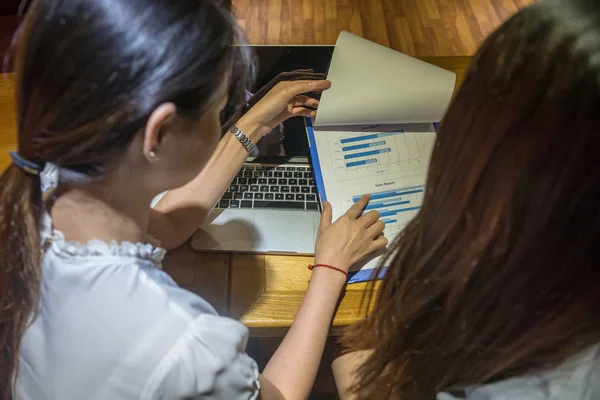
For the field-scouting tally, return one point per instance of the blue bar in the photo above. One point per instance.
(361, 162)
(367, 153)
(381, 196)
(363, 146)
(389, 221)
(369, 137)
(394, 212)
(392, 193)
(381, 205)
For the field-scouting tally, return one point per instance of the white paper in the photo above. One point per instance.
(372, 84)
(374, 132)
(389, 162)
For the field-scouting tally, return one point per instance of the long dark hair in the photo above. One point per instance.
(88, 75)
(498, 275)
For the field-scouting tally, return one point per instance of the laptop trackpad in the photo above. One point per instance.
(286, 231)
(230, 230)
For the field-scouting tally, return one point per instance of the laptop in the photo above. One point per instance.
(272, 205)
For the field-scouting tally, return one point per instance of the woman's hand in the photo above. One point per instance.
(351, 238)
(293, 367)
(285, 100)
(296, 75)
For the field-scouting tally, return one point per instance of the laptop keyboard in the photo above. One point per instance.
(258, 187)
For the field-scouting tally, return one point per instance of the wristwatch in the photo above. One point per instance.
(241, 136)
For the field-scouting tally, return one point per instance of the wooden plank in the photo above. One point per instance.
(435, 27)
(355, 23)
(308, 9)
(286, 29)
(319, 22)
(267, 290)
(274, 22)
(8, 127)
(297, 21)
(5, 160)
(403, 38)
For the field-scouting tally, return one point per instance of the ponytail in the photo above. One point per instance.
(20, 217)
(84, 122)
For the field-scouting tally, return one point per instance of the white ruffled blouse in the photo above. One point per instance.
(111, 324)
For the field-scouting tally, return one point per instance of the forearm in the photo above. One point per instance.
(344, 372)
(181, 211)
(293, 367)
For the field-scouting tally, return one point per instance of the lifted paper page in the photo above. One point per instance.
(372, 84)
(389, 162)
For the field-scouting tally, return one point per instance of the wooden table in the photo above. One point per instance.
(263, 291)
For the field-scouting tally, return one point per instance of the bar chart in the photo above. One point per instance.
(357, 155)
(396, 207)
(363, 150)
(389, 162)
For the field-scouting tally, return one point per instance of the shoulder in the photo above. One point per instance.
(133, 321)
(576, 379)
(208, 360)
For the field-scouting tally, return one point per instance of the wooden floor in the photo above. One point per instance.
(417, 27)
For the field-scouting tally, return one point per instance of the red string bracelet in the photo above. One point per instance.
(311, 267)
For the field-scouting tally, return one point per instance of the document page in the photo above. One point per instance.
(389, 162)
(372, 84)
(374, 131)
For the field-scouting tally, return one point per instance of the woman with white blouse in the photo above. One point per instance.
(124, 98)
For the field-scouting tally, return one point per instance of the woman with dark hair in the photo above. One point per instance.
(493, 289)
(124, 99)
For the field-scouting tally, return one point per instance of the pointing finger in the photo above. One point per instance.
(357, 209)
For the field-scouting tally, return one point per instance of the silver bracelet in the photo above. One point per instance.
(241, 136)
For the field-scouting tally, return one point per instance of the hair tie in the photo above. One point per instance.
(27, 166)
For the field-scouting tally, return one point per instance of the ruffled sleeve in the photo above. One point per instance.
(208, 362)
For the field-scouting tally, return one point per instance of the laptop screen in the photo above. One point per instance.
(288, 140)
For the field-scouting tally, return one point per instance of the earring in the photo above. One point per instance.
(151, 154)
